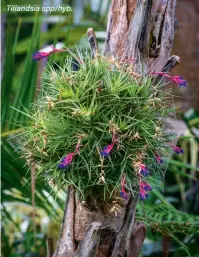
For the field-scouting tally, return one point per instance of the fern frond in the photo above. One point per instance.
(169, 221)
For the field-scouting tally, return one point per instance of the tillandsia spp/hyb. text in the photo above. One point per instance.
(36, 8)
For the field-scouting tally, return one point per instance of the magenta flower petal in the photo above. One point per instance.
(158, 159)
(177, 149)
(144, 190)
(144, 171)
(146, 186)
(66, 161)
(40, 55)
(106, 150)
(37, 56)
(143, 195)
(179, 80)
(176, 79)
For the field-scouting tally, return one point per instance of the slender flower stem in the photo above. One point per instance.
(176, 79)
(37, 56)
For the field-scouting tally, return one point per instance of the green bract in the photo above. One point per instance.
(101, 99)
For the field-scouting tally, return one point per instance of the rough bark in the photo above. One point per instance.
(90, 243)
(65, 244)
(124, 237)
(142, 30)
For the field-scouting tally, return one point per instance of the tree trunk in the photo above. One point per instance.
(142, 30)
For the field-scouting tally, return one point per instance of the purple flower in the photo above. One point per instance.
(158, 159)
(107, 149)
(176, 79)
(37, 56)
(143, 170)
(66, 161)
(144, 189)
(146, 186)
(177, 149)
(179, 80)
(143, 195)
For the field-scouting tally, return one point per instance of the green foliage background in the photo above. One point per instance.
(173, 212)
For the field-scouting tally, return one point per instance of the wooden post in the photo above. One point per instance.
(143, 30)
(65, 245)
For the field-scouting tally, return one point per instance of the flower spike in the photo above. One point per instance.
(37, 56)
(143, 195)
(146, 186)
(144, 189)
(177, 149)
(107, 149)
(158, 159)
(123, 193)
(179, 80)
(67, 160)
(143, 170)
(176, 79)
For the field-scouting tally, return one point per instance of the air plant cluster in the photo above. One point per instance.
(100, 128)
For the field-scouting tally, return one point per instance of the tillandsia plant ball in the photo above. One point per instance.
(100, 128)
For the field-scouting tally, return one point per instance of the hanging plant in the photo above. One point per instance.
(100, 128)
